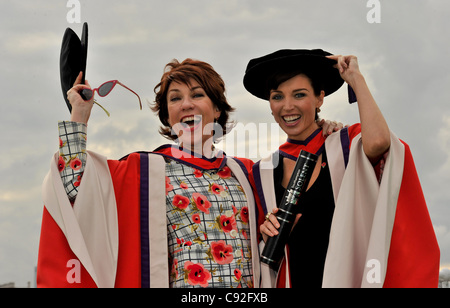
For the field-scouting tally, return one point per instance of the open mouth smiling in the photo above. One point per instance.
(291, 119)
(191, 121)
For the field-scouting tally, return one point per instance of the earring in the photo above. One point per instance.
(317, 114)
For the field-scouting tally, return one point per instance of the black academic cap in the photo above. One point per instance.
(311, 62)
(72, 59)
(259, 70)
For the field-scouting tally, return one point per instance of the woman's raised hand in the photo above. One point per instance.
(81, 109)
(348, 67)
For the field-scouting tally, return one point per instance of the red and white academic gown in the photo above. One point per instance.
(115, 234)
(381, 233)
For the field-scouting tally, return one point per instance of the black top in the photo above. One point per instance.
(308, 242)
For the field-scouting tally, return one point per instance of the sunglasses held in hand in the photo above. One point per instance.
(103, 90)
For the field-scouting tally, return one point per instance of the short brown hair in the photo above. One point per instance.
(207, 78)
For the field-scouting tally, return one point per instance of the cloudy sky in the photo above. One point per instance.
(405, 59)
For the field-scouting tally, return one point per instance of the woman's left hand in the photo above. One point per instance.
(348, 67)
(375, 132)
(329, 127)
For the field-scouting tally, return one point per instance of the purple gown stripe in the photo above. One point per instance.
(351, 95)
(307, 140)
(258, 184)
(145, 249)
(244, 169)
(345, 143)
(241, 164)
(284, 154)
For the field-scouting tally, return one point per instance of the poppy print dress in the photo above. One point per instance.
(208, 230)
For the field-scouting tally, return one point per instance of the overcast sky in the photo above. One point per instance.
(405, 59)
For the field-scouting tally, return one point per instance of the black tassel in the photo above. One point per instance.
(351, 95)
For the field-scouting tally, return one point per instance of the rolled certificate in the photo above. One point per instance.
(288, 209)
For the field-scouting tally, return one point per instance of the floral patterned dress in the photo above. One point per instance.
(208, 230)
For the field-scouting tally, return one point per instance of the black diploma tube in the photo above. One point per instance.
(287, 210)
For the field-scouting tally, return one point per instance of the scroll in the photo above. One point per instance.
(288, 209)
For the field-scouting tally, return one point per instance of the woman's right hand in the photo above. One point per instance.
(270, 226)
(81, 110)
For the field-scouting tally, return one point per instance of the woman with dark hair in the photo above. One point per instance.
(363, 220)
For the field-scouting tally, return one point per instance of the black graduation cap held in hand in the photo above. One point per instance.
(72, 59)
